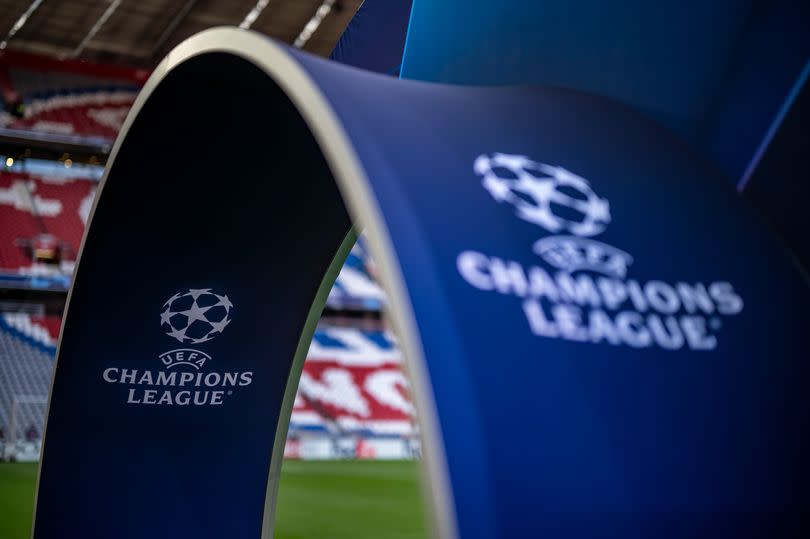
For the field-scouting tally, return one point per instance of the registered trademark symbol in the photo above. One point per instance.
(715, 323)
(230, 392)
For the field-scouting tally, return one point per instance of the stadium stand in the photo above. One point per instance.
(90, 113)
(43, 221)
(26, 361)
(353, 383)
(356, 288)
(64, 103)
(16, 214)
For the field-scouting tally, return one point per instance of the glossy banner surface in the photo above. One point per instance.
(602, 338)
(717, 73)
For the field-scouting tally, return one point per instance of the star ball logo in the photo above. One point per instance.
(532, 188)
(196, 316)
(582, 292)
(192, 317)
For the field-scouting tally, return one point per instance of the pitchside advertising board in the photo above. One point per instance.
(603, 339)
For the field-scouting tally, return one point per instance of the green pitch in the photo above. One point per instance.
(329, 499)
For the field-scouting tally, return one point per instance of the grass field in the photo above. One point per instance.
(317, 499)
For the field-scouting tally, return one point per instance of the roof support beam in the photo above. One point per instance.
(171, 27)
(20, 22)
(96, 27)
(313, 23)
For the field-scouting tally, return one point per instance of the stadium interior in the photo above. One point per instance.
(356, 461)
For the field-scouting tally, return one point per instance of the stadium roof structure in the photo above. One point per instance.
(140, 33)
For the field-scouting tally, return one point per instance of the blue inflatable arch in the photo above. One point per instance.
(651, 382)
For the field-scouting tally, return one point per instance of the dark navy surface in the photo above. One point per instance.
(547, 437)
(180, 212)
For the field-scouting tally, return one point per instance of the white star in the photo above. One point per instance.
(219, 326)
(498, 188)
(171, 299)
(600, 210)
(179, 334)
(165, 316)
(195, 313)
(539, 189)
(224, 301)
(512, 162)
(197, 292)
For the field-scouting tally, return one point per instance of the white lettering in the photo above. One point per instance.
(694, 297)
(128, 376)
(632, 330)
(728, 302)
(579, 290)
(166, 379)
(212, 379)
(537, 319)
(472, 266)
(662, 297)
(601, 327)
(107, 374)
(614, 293)
(667, 334)
(541, 285)
(131, 397)
(694, 327)
(569, 319)
(508, 277)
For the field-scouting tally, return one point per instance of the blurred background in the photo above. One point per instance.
(69, 72)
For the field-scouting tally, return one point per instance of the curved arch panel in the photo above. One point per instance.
(601, 337)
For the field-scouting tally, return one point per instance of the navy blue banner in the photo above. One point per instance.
(603, 339)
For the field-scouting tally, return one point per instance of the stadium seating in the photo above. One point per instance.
(88, 112)
(33, 205)
(356, 287)
(26, 360)
(353, 383)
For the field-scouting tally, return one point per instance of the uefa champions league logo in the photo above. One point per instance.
(559, 201)
(533, 187)
(587, 295)
(196, 316)
(183, 379)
